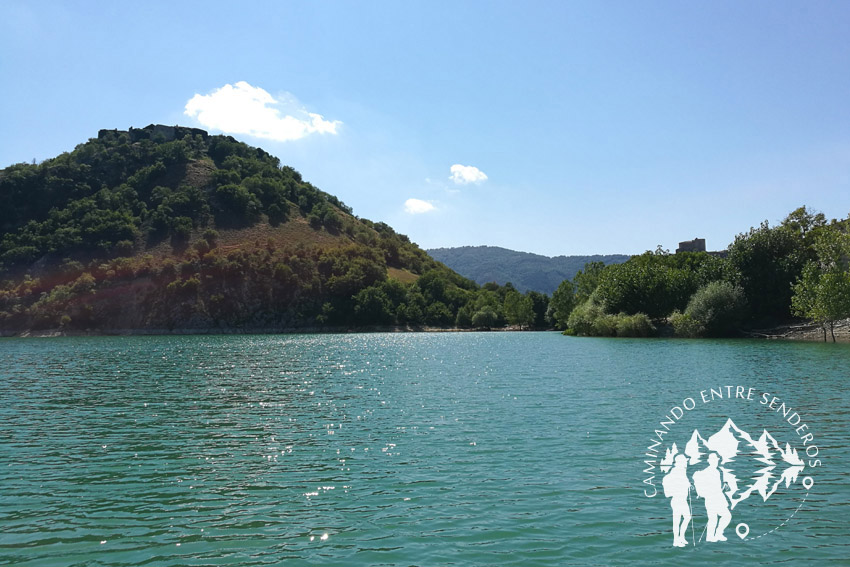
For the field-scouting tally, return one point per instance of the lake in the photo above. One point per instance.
(458, 449)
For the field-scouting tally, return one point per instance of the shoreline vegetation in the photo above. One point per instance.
(806, 332)
(169, 230)
(51, 333)
(787, 281)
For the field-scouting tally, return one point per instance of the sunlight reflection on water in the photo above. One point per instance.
(395, 449)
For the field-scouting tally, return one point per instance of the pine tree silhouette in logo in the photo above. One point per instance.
(723, 471)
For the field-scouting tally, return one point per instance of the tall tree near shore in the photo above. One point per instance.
(767, 260)
(518, 309)
(822, 293)
(539, 307)
(562, 303)
(651, 283)
(587, 279)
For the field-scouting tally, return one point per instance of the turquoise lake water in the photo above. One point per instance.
(458, 449)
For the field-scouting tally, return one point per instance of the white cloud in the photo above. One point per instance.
(418, 206)
(466, 174)
(245, 109)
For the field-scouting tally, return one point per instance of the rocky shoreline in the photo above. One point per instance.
(804, 332)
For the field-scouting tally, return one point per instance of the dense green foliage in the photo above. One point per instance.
(170, 228)
(114, 194)
(586, 280)
(767, 261)
(589, 318)
(562, 303)
(822, 294)
(656, 283)
(714, 310)
(801, 264)
(524, 270)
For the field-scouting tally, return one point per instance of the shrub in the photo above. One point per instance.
(605, 325)
(181, 229)
(372, 306)
(83, 284)
(686, 326)
(637, 325)
(719, 307)
(20, 255)
(484, 318)
(315, 221)
(438, 314)
(589, 319)
(124, 248)
(211, 236)
(582, 318)
(277, 213)
(464, 317)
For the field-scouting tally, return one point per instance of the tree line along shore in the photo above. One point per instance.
(780, 281)
(170, 229)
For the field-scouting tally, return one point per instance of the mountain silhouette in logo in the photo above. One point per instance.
(696, 448)
(767, 447)
(749, 465)
(730, 441)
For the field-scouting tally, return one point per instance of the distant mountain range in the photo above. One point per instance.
(524, 270)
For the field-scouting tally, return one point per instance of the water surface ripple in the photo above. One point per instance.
(385, 449)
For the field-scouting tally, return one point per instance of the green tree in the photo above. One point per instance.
(822, 293)
(236, 205)
(484, 318)
(539, 307)
(438, 314)
(685, 326)
(373, 307)
(525, 312)
(562, 304)
(768, 260)
(586, 280)
(805, 224)
(518, 309)
(717, 308)
(637, 325)
(413, 309)
(589, 319)
(510, 306)
(464, 317)
(650, 283)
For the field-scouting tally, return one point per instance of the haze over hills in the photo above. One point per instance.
(526, 271)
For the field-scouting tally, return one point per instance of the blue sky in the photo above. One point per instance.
(575, 127)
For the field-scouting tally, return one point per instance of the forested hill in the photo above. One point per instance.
(170, 228)
(524, 270)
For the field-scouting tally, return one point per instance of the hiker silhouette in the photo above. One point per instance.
(709, 485)
(677, 488)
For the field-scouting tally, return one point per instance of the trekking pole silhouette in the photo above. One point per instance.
(691, 510)
(703, 529)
